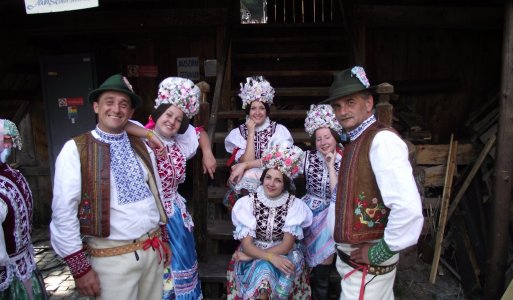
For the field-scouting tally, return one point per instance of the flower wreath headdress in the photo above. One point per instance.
(180, 92)
(287, 159)
(8, 128)
(320, 116)
(256, 88)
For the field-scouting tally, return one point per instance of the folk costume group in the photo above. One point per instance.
(125, 232)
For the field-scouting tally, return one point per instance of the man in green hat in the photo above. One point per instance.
(376, 210)
(105, 197)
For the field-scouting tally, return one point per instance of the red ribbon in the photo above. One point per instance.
(154, 243)
(150, 124)
(364, 269)
(232, 158)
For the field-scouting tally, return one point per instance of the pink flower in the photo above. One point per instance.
(288, 161)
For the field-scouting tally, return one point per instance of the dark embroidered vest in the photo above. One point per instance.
(17, 196)
(360, 214)
(270, 220)
(94, 207)
(262, 137)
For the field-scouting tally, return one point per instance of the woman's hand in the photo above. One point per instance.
(282, 263)
(209, 164)
(330, 159)
(250, 124)
(155, 143)
(237, 172)
(241, 256)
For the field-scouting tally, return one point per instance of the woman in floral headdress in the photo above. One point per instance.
(269, 264)
(19, 277)
(177, 102)
(321, 166)
(257, 134)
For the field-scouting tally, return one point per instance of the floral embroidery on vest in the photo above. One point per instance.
(85, 214)
(371, 213)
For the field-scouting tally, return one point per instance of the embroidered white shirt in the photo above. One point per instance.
(127, 222)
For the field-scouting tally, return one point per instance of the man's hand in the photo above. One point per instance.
(166, 253)
(89, 284)
(360, 254)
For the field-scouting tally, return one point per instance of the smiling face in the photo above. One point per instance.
(325, 141)
(273, 183)
(352, 110)
(114, 109)
(169, 122)
(257, 112)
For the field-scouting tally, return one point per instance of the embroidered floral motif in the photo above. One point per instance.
(262, 137)
(359, 72)
(256, 88)
(85, 213)
(180, 92)
(370, 213)
(320, 116)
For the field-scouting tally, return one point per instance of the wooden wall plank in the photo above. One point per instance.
(437, 154)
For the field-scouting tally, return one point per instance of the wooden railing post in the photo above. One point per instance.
(384, 110)
(200, 180)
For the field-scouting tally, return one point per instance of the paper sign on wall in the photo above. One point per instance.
(39, 7)
(188, 67)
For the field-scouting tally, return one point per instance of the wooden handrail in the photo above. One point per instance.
(216, 102)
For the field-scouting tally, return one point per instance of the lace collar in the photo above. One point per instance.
(355, 133)
(165, 140)
(271, 202)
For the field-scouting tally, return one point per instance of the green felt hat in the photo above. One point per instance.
(347, 82)
(116, 83)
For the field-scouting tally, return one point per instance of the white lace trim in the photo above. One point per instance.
(271, 202)
(264, 125)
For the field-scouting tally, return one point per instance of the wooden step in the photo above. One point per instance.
(295, 39)
(299, 137)
(275, 55)
(312, 91)
(214, 270)
(217, 192)
(276, 114)
(220, 229)
(290, 73)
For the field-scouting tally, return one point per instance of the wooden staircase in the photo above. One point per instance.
(299, 61)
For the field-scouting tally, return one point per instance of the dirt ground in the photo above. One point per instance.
(412, 281)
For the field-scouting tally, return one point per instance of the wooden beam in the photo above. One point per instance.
(449, 175)
(470, 177)
(500, 206)
(443, 16)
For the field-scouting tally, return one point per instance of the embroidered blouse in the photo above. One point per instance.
(267, 219)
(16, 251)
(171, 169)
(267, 135)
(318, 192)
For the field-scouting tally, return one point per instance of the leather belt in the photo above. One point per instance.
(373, 270)
(119, 250)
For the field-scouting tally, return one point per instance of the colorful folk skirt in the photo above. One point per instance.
(248, 279)
(182, 282)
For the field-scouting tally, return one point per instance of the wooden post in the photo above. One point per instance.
(384, 110)
(449, 174)
(200, 181)
(500, 206)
